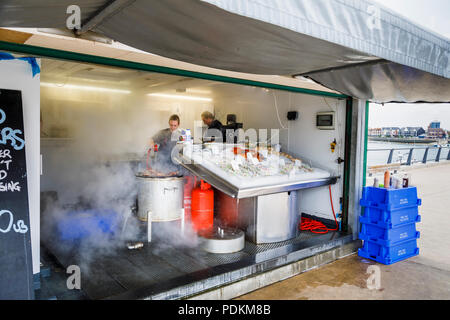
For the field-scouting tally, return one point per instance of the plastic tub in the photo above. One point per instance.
(390, 219)
(388, 237)
(390, 199)
(389, 254)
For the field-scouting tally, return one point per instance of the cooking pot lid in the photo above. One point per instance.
(157, 176)
(222, 240)
(221, 233)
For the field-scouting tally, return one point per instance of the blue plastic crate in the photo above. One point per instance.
(76, 225)
(390, 219)
(388, 237)
(390, 199)
(389, 254)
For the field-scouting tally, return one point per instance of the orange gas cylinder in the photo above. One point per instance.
(202, 207)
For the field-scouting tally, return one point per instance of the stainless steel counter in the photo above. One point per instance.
(239, 193)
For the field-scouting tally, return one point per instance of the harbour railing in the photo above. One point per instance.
(414, 154)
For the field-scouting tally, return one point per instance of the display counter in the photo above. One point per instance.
(247, 176)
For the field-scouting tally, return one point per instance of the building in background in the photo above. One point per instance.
(404, 132)
(411, 131)
(390, 131)
(374, 132)
(421, 131)
(435, 124)
(435, 131)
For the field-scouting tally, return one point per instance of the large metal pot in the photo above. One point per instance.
(162, 196)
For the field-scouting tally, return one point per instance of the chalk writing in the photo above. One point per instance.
(9, 186)
(10, 222)
(19, 227)
(2, 116)
(8, 134)
(13, 136)
(5, 153)
(5, 164)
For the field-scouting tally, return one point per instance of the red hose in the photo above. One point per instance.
(315, 226)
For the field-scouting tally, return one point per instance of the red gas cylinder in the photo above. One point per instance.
(188, 187)
(202, 207)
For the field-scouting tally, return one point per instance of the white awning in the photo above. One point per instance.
(355, 47)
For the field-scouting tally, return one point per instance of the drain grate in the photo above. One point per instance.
(161, 267)
(253, 249)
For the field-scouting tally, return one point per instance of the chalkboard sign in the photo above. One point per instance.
(16, 272)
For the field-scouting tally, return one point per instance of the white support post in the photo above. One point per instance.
(149, 226)
(356, 165)
(182, 221)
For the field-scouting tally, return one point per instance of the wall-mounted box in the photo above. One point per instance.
(325, 120)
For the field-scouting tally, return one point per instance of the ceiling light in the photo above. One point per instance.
(88, 88)
(178, 96)
(199, 91)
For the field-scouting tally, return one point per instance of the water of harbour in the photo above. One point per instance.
(381, 157)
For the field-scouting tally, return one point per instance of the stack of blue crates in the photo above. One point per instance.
(388, 225)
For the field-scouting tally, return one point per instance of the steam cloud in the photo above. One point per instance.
(93, 172)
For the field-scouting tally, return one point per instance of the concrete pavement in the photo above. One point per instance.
(426, 276)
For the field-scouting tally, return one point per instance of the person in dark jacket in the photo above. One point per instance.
(215, 128)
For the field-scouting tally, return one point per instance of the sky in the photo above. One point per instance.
(433, 15)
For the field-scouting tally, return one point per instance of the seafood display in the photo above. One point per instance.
(244, 167)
